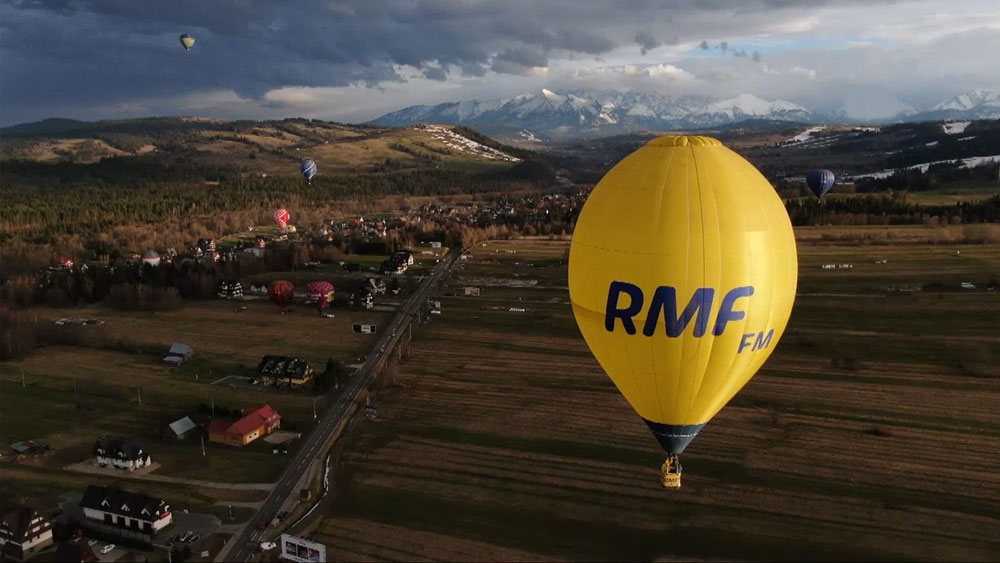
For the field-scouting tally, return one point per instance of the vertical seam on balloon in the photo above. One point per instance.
(656, 264)
(774, 255)
(750, 300)
(701, 211)
(700, 377)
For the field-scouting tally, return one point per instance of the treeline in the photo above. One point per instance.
(935, 177)
(888, 210)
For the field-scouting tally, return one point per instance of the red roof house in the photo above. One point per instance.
(254, 424)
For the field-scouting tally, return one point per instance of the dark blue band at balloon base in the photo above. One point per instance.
(673, 438)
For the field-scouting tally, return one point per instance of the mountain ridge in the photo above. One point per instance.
(582, 113)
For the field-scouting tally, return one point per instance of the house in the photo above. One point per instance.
(471, 291)
(361, 298)
(253, 425)
(206, 245)
(23, 531)
(182, 429)
(392, 266)
(113, 511)
(403, 257)
(283, 370)
(230, 290)
(122, 453)
(178, 354)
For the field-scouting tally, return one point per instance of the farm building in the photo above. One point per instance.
(283, 370)
(29, 447)
(121, 453)
(130, 516)
(178, 354)
(230, 290)
(471, 291)
(23, 531)
(361, 298)
(253, 425)
(181, 429)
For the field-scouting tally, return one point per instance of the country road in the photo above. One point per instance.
(245, 544)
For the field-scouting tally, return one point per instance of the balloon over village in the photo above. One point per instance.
(684, 306)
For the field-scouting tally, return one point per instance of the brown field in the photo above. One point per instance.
(871, 433)
(74, 394)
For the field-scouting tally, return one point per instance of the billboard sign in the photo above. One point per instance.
(294, 548)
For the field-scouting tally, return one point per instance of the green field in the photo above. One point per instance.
(869, 434)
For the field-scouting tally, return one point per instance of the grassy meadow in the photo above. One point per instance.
(869, 434)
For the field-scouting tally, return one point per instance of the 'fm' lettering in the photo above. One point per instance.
(664, 304)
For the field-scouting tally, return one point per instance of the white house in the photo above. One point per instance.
(23, 531)
(122, 454)
(114, 510)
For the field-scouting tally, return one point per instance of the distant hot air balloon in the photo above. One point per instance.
(281, 218)
(281, 292)
(682, 274)
(820, 181)
(187, 41)
(308, 169)
(320, 293)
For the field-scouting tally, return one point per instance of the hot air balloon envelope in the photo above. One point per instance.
(281, 292)
(308, 169)
(820, 181)
(682, 274)
(187, 41)
(320, 293)
(281, 218)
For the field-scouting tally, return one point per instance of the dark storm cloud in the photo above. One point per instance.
(646, 41)
(79, 56)
(435, 73)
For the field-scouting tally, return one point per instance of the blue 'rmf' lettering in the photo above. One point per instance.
(664, 303)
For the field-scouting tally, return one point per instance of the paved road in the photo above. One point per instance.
(246, 543)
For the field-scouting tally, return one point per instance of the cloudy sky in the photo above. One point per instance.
(355, 60)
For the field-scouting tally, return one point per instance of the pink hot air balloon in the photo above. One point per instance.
(281, 217)
(320, 293)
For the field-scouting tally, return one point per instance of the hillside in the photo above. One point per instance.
(252, 147)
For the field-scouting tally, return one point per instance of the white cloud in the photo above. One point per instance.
(801, 71)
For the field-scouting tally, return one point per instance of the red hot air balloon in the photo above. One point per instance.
(320, 293)
(281, 217)
(281, 293)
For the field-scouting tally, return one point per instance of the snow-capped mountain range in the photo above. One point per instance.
(590, 113)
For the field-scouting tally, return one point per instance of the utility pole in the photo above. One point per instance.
(138, 390)
(203, 454)
(22, 376)
(314, 408)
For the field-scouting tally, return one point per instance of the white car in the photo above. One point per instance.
(107, 548)
(267, 545)
(91, 543)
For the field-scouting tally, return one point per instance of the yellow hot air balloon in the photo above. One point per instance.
(682, 275)
(187, 41)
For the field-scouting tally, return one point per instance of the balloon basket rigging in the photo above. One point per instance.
(670, 476)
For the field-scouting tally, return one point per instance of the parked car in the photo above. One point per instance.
(186, 536)
(107, 548)
(91, 543)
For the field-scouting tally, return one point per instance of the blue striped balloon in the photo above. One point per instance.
(308, 169)
(820, 181)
